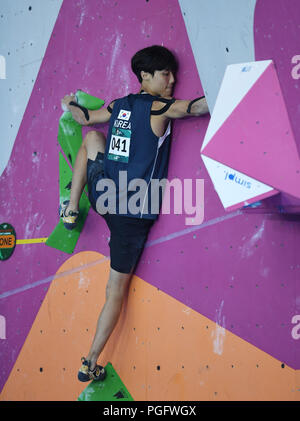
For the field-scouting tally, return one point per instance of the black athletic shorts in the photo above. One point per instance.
(127, 235)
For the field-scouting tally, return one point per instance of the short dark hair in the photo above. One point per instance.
(153, 58)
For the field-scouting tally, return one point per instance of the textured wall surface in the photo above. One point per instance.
(213, 310)
(218, 39)
(22, 52)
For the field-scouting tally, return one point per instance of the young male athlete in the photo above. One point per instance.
(137, 147)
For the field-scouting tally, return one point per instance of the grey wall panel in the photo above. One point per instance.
(221, 33)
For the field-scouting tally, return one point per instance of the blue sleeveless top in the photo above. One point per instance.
(135, 158)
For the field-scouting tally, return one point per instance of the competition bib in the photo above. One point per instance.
(119, 146)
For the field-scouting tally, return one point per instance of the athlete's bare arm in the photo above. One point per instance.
(179, 109)
(94, 116)
(183, 108)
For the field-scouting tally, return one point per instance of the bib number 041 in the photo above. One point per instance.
(119, 144)
(119, 147)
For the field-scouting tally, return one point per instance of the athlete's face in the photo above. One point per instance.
(161, 83)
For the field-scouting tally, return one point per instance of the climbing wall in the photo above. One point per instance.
(213, 311)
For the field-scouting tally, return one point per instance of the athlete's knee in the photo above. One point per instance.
(117, 286)
(94, 142)
(114, 296)
(93, 136)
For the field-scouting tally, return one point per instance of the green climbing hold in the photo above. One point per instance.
(69, 131)
(110, 389)
(61, 238)
(88, 101)
(70, 140)
(69, 136)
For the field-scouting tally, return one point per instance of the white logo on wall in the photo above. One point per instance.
(239, 180)
(2, 67)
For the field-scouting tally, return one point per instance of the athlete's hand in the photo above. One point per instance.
(66, 101)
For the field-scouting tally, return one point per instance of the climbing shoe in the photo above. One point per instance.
(85, 374)
(70, 220)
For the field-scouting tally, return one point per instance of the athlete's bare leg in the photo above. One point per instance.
(116, 290)
(93, 143)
